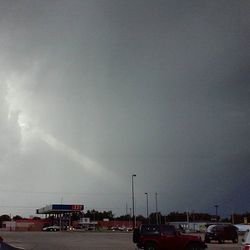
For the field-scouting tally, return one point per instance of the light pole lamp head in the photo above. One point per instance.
(134, 175)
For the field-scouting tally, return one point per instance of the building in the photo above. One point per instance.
(61, 214)
(25, 225)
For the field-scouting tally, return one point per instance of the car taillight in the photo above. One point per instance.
(246, 248)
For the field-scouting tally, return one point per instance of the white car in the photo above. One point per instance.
(52, 228)
(246, 241)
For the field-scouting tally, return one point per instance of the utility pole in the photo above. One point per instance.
(187, 220)
(147, 206)
(193, 215)
(156, 209)
(129, 216)
(133, 201)
(233, 218)
(216, 210)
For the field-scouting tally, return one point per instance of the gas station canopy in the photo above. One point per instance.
(60, 208)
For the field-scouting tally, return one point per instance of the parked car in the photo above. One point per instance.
(70, 228)
(221, 233)
(159, 237)
(51, 228)
(246, 241)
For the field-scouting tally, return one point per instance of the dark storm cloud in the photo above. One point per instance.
(156, 88)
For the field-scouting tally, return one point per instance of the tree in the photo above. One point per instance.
(156, 218)
(176, 216)
(200, 217)
(36, 218)
(141, 218)
(125, 217)
(17, 217)
(76, 216)
(240, 218)
(96, 215)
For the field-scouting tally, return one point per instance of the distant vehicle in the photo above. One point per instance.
(91, 228)
(129, 229)
(246, 241)
(52, 228)
(221, 233)
(122, 229)
(159, 237)
(79, 226)
(70, 228)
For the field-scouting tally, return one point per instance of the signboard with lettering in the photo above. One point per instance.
(77, 207)
(57, 208)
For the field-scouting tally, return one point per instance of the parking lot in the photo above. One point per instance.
(82, 240)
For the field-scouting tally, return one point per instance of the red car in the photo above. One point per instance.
(165, 237)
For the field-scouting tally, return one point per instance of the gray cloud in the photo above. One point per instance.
(94, 91)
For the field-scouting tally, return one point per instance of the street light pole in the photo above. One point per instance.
(133, 201)
(147, 205)
(216, 211)
(156, 209)
(129, 216)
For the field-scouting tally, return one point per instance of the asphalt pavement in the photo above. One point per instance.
(81, 241)
(5, 246)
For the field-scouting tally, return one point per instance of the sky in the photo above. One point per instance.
(94, 91)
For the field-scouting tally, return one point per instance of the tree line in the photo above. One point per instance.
(95, 215)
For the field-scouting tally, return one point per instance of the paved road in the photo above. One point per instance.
(5, 246)
(82, 241)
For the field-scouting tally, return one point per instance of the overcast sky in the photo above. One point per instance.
(94, 91)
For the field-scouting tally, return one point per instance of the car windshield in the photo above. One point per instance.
(168, 230)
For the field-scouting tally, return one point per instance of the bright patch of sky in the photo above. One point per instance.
(92, 92)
